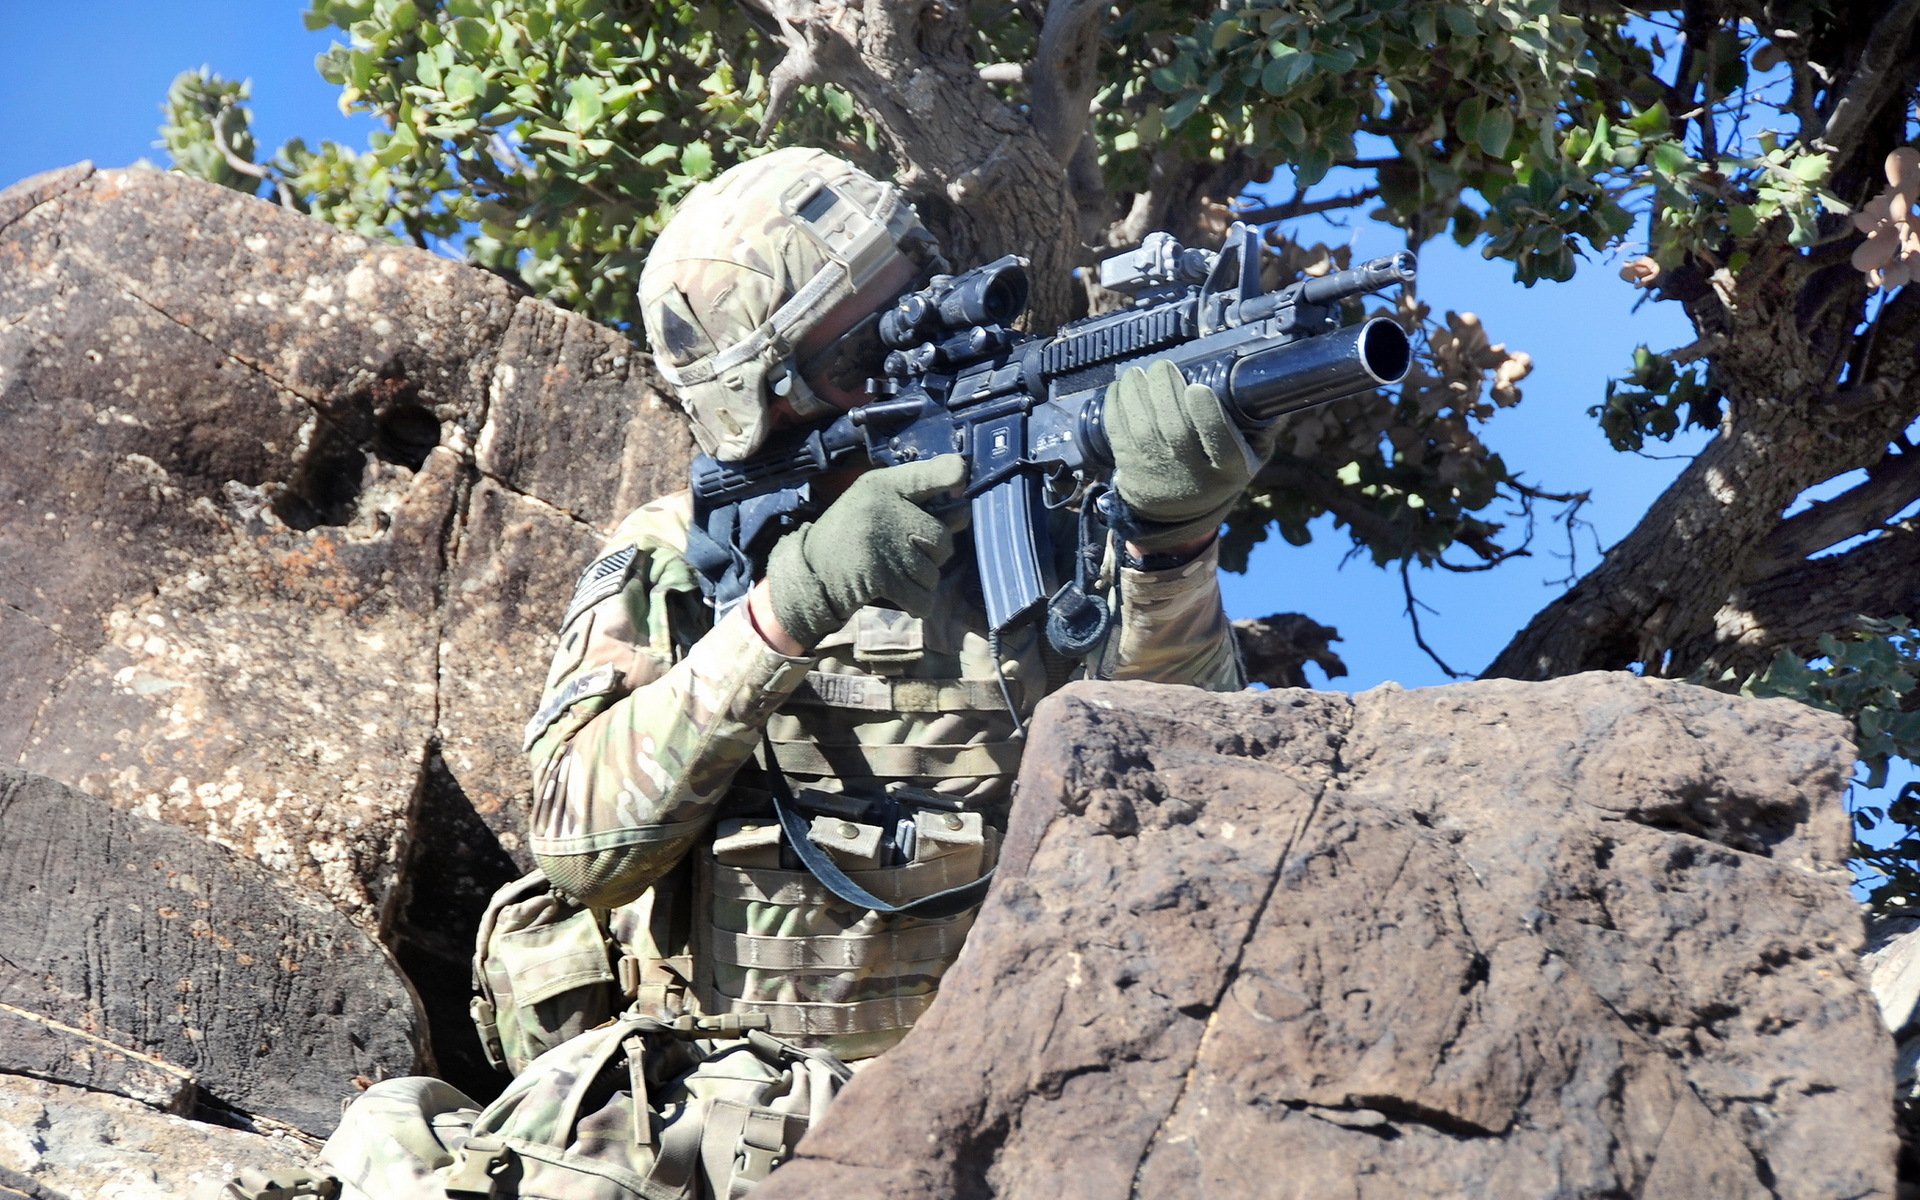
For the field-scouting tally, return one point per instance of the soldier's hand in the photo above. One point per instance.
(1178, 459)
(877, 542)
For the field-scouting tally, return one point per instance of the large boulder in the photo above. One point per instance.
(1582, 938)
(141, 959)
(290, 518)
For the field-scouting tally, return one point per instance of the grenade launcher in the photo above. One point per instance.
(1027, 411)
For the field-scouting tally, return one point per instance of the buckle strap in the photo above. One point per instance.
(762, 1147)
(477, 1168)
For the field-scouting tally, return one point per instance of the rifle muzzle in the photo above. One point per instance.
(1266, 386)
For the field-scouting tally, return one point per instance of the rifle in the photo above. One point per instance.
(1028, 411)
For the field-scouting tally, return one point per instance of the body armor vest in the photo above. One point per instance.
(902, 751)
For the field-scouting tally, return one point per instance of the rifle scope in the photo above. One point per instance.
(994, 294)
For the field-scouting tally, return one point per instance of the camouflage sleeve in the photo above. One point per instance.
(1173, 629)
(643, 724)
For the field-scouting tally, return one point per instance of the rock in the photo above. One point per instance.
(1892, 963)
(287, 519)
(265, 486)
(1583, 938)
(63, 1143)
(141, 959)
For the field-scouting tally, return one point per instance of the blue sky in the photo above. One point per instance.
(87, 83)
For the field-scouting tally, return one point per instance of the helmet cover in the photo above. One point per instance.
(751, 262)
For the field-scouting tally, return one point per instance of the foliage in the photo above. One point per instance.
(208, 130)
(1657, 399)
(1871, 677)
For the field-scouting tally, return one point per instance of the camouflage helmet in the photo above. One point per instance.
(755, 259)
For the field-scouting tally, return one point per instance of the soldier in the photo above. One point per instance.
(860, 657)
(855, 676)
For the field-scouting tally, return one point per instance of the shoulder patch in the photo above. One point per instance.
(596, 682)
(603, 578)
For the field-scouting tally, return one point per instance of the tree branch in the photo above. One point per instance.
(1064, 73)
(1298, 206)
(975, 168)
(1875, 82)
(1891, 485)
(1879, 578)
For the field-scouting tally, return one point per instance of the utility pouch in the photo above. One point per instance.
(544, 970)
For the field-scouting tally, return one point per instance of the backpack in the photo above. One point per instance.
(638, 1109)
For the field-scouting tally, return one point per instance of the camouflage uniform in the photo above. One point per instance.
(649, 806)
(643, 759)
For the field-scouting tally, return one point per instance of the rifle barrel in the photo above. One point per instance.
(1272, 383)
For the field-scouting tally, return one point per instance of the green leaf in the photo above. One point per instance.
(1284, 70)
(463, 83)
(1291, 128)
(1466, 118)
(1336, 61)
(696, 160)
(472, 36)
(1494, 131)
(1461, 23)
(1812, 168)
(1178, 112)
(1670, 160)
(584, 106)
(1653, 120)
(1311, 165)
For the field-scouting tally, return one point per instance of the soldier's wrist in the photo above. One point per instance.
(1166, 558)
(766, 623)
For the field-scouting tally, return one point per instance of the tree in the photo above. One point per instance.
(1757, 152)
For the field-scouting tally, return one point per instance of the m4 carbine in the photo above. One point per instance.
(1027, 411)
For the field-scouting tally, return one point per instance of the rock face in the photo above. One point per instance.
(289, 518)
(1585, 938)
(65, 1143)
(141, 959)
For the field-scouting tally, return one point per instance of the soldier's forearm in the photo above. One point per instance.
(1172, 627)
(649, 769)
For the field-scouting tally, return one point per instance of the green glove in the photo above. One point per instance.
(1178, 460)
(876, 542)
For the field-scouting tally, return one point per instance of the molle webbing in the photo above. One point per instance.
(845, 761)
(936, 942)
(825, 1018)
(876, 693)
(771, 885)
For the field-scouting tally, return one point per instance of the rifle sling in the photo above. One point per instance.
(822, 867)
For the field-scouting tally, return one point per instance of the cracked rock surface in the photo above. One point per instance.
(1583, 938)
(287, 518)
